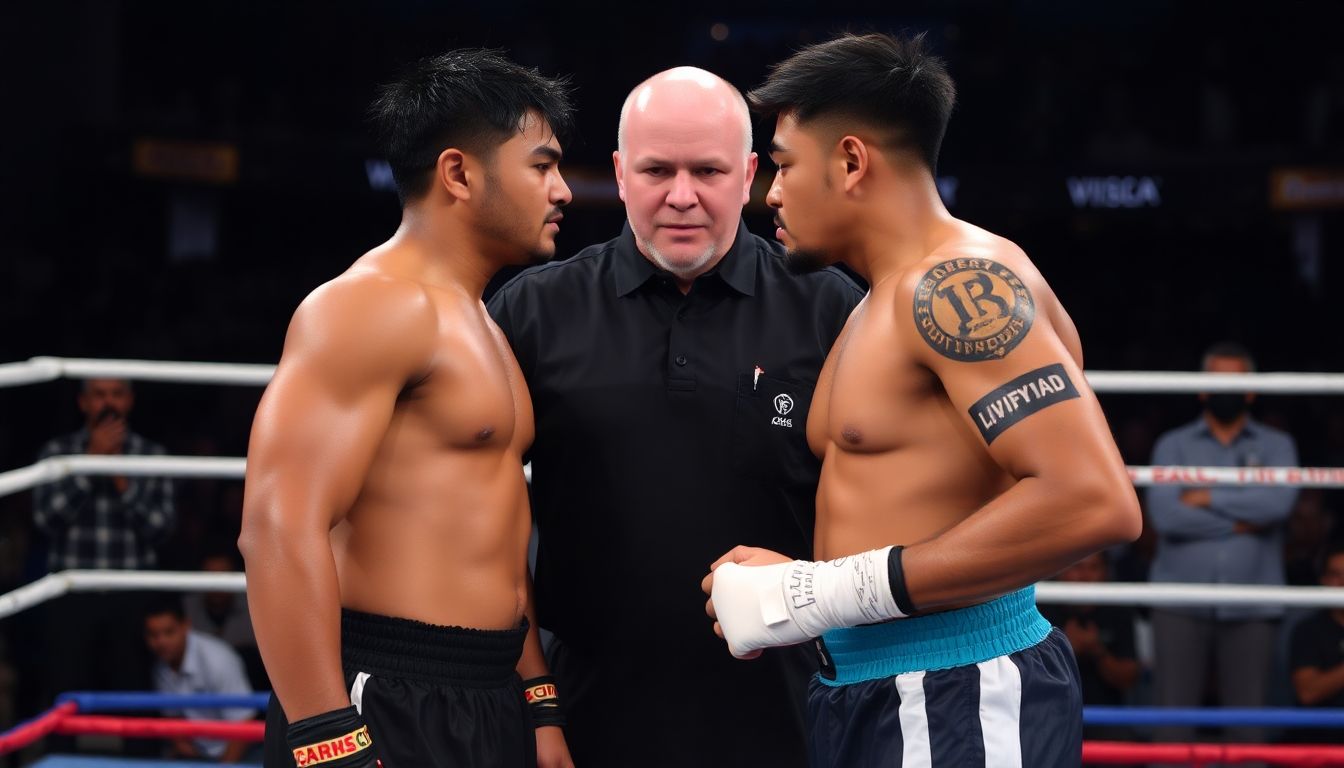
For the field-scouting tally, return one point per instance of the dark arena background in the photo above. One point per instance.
(176, 176)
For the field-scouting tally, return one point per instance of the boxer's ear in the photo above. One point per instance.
(451, 173)
(853, 153)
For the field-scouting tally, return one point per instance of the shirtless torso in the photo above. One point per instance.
(439, 527)
(964, 456)
(385, 514)
(398, 406)
(901, 462)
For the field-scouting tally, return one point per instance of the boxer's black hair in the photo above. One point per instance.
(472, 99)
(889, 83)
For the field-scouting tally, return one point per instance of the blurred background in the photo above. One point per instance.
(175, 177)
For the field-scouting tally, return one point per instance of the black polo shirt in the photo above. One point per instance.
(659, 447)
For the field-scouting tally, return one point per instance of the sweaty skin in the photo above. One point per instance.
(385, 465)
(989, 489)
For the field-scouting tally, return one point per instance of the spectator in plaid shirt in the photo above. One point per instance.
(94, 640)
(99, 522)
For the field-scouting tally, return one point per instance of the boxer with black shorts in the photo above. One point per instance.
(964, 456)
(386, 516)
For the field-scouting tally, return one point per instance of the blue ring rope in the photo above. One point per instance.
(123, 701)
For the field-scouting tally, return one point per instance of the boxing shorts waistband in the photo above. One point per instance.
(944, 640)
(403, 648)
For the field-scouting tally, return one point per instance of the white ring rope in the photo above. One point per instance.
(40, 369)
(1172, 594)
(57, 467)
(1171, 382)
(1204, 477)
(54, 585)
(1050, 592)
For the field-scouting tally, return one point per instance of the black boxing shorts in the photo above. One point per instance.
(431, 695)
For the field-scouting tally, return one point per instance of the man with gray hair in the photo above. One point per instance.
(1219, 535)
(671, 371)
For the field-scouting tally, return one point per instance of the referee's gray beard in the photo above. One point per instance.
(684, 272)
(803, 262)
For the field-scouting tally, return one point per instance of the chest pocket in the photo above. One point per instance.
(770, 430)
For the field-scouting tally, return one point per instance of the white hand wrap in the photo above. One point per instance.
(787, 603)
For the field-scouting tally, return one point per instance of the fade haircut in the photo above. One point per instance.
(889, 83)
(473, 99)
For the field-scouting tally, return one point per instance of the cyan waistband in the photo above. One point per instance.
(938, 641)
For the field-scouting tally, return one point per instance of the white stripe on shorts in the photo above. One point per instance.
(1001, 712)
(357, 691)
(915, 749)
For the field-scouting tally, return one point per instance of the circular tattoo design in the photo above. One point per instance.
(973, 309)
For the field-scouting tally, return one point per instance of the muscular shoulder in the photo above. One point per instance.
(968, 259)
(365, 317)
(974, 299)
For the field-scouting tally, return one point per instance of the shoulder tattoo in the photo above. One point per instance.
(973, 310)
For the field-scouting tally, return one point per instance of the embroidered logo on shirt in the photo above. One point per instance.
(783, 405)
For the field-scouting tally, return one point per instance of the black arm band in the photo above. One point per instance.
(543, 701)
(896, 578)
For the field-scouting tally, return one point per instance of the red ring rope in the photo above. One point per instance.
(1200, 754)
(162, 728)
(40, 726)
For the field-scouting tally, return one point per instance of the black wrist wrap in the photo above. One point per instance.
(336, 739)
(543, 701)
(896, 578)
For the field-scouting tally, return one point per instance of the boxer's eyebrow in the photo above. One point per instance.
(547, 152)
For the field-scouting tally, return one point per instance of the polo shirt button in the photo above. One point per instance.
(681, 359)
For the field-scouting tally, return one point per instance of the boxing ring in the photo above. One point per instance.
(97, 712)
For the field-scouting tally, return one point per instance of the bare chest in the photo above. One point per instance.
(474, 394)
(872, 397)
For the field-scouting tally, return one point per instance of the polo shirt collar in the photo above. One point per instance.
(1248, 430)
(191, 657)
(737, 268)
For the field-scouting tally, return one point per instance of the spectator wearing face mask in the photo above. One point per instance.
(1219, 535)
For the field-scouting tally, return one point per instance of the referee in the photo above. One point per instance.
(671, 370)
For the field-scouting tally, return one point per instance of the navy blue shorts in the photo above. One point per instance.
(993, 685)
